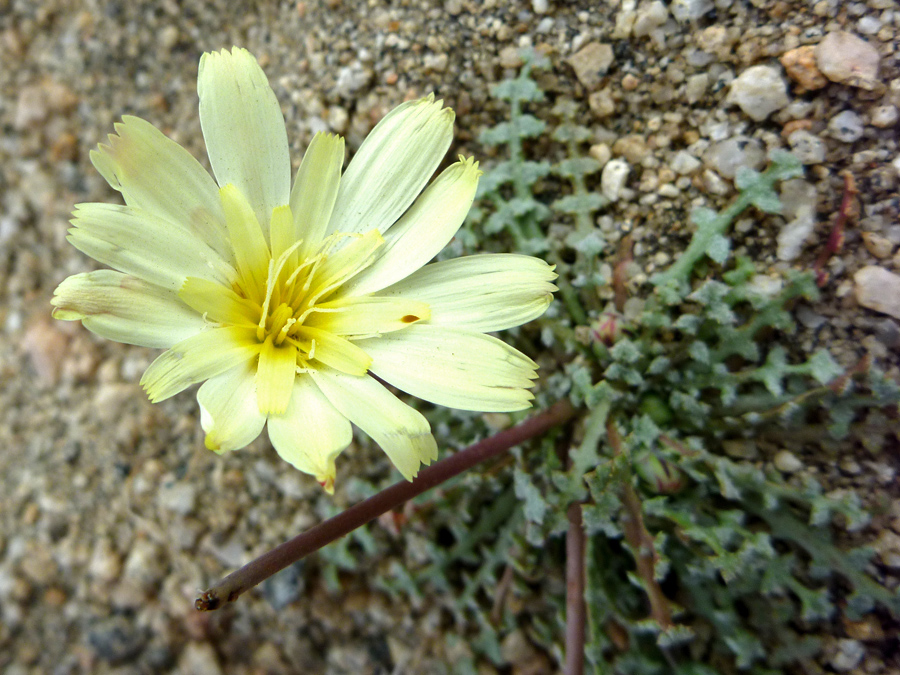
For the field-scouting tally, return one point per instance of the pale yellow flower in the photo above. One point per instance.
(284, 301)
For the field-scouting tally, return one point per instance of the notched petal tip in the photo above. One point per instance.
(327, 483)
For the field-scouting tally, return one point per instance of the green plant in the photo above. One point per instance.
(696, 563)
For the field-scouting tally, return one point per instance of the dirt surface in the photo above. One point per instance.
(112, 514)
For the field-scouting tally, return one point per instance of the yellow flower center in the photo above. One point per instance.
(284, 299)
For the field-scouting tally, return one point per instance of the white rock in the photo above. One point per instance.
(846, 127)
(807, 147)
(793, 235)
(727, 156)
(759, 91)
(878, 289)
(696, 87)
(684, 163)
(845, 58)
(625, 20)
(868, 25)
(690, 10)
(649, 17)
(884, 116)
(199, 658)
(180, 498)
(795, 195)
(850, 654)
(601, 153)
(787, 462)
(612, 180)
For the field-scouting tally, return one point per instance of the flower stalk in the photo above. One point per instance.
(260, 569)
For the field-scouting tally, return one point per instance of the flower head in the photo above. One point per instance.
(285, 300)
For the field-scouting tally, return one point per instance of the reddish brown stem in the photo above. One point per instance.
(576, 611)
(640, 541)
(236, 583)
(836, 237)
(620, 272)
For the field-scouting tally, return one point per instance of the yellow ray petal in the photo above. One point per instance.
(219, 304)
(311, 433)
(250, 249)
(315, 189)
(367, 316)
(198, 358)
(228, 411)
(125, 309)
(335, 351)
(403, 433)
(275, 377)
(244, 130)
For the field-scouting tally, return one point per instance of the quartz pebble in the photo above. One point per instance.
(696, 87)
(759, 91)
(884, 116)
(848, 656)
(878, 289)
(601, 104)
(591, 63)
(846, 126)
(612, 180)
(727, 156)
(690, 10)
(848, 59)
(807, 147)
(794, 234)
(878, 246)
(787, 462)
(650, 16)
(601, 153)
(684, 163)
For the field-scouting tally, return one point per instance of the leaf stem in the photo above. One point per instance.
(260, 569)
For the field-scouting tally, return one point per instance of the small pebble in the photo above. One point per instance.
(179, 498)
(727, 156)
(510, 57)
(759, 91)
(601, 153)
(807, 147)
(696, 87)
(116, 640)
(632, 147)
(848, 656)
(684, 163)
(794, 234)
(845, 58)
(650, 16)
(878, 289)
(800, 66)
(878, 246)
(787, 462)
(714, 184)
(868, 25)
(613, 178)
(199, 658)
(846, 127)
(690, 10)
(884, 116)
(591, 63)
(601, 103)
